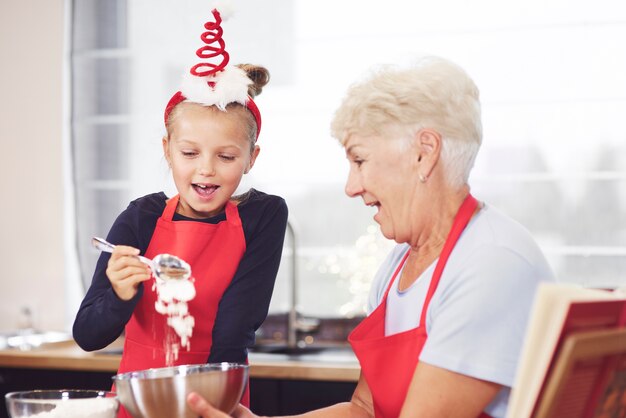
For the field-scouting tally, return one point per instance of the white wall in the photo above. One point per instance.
(31, 172)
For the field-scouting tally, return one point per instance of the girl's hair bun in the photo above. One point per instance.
(259, 75)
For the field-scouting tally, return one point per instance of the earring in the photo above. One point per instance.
(422, 178)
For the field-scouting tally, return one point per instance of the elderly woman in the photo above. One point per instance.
(449, 306)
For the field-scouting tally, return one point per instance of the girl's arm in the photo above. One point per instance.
(102, 314)
(245, 302)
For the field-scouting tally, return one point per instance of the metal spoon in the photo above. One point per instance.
(163, 266)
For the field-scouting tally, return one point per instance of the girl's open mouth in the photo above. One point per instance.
(205, 190)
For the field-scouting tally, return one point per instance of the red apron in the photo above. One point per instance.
(388, 362)
(213, 251)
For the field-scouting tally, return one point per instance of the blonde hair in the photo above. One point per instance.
(433, 93)
(259, 76)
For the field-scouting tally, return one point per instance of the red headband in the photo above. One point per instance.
(178, 97)
(205, 92)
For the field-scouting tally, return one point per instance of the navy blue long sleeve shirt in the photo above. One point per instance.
(102, 316)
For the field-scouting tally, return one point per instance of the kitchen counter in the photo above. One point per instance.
(327, 365)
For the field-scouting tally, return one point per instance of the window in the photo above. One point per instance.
(101, 120)
(553, 92)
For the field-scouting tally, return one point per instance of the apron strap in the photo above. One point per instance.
(170, 208)
(232, 214)
(397, 273)
(461, 219)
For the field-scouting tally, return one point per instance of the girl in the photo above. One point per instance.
(233, 244)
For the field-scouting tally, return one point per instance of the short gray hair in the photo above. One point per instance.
(433, 93)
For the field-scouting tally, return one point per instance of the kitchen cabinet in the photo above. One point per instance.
(18, 379)
(287, 397)
(279, 384)
(267, 396)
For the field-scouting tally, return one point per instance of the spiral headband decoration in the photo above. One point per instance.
(212, 84)
(214, 33)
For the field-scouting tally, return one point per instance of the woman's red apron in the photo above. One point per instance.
(388, 362)
(213, 251)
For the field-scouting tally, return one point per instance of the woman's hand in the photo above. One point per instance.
(200, 406)
(125, 271)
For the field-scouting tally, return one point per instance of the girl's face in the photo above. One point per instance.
(208, 151)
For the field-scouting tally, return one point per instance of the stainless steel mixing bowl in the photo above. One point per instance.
(162, 392)
(65, 403)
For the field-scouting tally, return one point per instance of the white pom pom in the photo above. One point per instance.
(225, 7)
(231, 85)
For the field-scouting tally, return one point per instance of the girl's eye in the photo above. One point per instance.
(189, 153)
(227, 157)
(357, 162)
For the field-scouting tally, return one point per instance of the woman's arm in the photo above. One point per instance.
(437, 392)
(360, 406)
(434, 392)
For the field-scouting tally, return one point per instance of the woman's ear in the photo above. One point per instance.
(253, 155)
(429, 142)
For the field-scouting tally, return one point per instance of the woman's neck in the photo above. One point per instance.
(436, 222)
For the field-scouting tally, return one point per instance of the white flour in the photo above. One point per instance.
(79, 408)
(172, 298)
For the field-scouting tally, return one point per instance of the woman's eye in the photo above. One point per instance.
(189, 153)
(357, 162)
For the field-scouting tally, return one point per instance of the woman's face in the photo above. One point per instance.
(208, 151)
(383, 174)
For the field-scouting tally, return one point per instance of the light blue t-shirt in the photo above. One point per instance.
(476, 320)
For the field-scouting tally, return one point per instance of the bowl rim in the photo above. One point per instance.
(177, 371)
(23, 395)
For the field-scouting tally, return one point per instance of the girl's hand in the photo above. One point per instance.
(201, 407)
(125, 271)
